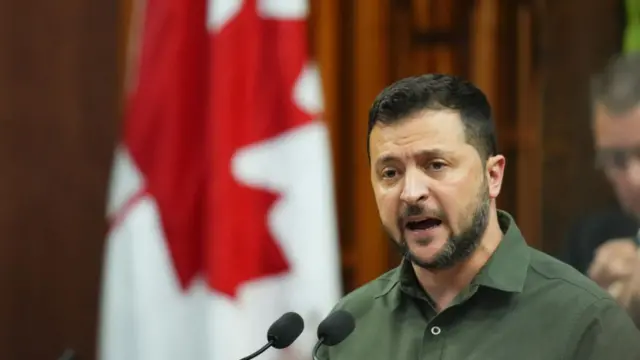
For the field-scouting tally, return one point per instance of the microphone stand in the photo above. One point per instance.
(314, 353)
(260, 351)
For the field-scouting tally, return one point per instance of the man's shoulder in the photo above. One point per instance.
(362, 298)
(563, 280)
(592, 313)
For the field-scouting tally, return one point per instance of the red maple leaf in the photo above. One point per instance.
(255, 65)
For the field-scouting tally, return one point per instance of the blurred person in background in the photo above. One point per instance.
(604, 245)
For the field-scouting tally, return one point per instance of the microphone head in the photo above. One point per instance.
(284, 331)
(336, 327)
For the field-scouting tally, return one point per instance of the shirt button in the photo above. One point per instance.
(436, 330)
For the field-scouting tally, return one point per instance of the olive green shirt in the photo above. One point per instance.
(522, 305)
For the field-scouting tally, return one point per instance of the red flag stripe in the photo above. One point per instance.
(165, 122)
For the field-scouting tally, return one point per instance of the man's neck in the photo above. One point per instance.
(444, 285)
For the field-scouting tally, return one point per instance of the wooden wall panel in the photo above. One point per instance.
(427, 36)
(58, 80)
(578, 38)
(369, 75)
(406, 62)
(484, 70)
(442, 20)
(325, 27)
(528, 167)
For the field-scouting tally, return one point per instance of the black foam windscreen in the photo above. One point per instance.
(284, 331)
(336, 327)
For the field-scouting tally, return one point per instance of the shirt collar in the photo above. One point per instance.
(507, 268)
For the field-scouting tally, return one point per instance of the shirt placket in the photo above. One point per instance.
(434, 336)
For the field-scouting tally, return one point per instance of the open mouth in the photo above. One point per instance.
(425, 224)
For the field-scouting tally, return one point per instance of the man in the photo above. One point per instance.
(468, 287)
(604, 245)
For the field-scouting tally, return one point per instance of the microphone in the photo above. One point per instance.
(332, 330)
(282, 333)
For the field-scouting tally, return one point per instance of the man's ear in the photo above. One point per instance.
(495, 174)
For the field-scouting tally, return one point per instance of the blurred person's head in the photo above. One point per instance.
(435, 170)
(616, 128)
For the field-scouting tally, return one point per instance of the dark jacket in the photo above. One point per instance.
(589, 232)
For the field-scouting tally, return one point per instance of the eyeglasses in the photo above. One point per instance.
(616, 158)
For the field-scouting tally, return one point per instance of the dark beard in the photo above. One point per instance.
(459, 246)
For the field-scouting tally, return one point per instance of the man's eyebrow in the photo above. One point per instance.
(386, 159)
(429, 153)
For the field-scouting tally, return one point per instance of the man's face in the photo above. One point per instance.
(432, 189)
(617, 142)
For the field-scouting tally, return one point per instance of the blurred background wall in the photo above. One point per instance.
(58, 114)
(61, 67)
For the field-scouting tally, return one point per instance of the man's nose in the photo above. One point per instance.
(415, 189)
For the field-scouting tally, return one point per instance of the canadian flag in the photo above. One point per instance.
(221, 205)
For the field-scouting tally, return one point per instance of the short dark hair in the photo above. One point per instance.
(617, 87)
(410, 95)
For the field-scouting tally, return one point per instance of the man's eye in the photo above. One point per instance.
(619, 160)
(616, 159)
(389, 173)
(437, 165)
